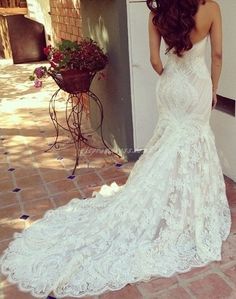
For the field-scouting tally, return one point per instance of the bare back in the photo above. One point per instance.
(207, 19)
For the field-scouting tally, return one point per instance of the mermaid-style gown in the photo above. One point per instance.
(171, 215)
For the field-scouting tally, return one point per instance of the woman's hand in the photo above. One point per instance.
(214, 100)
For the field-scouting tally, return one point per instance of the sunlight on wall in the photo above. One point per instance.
(76, 4)
(5, 50)
(38, 11)
(99, 33)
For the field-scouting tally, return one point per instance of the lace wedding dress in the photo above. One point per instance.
(171, 215)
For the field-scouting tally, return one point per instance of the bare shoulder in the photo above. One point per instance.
(212, 9)
(212, 5)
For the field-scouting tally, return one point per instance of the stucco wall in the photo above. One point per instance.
(106, 22)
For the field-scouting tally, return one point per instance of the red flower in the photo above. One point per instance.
(47, 50)
(53, 64)
(84, 56)
(57, 57)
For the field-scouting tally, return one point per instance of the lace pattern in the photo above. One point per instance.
(171, 215)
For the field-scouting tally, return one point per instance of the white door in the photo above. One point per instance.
(227, 82)
(143, 77)
(224, 125)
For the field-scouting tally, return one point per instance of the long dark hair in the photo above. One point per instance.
(175, 20)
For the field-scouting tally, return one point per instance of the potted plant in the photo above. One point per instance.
(72, 65)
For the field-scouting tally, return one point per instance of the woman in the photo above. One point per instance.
(172, 214)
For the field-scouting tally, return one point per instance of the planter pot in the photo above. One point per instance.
(74, 81)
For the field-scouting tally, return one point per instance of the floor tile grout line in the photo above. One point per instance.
(225, 278)
(99, 175)
(27, 201)
(38, 170)
(76, 184)
(62, 193)
(168, 288)
(187, 290)
(186, 281)
(46, 187)
(43, 180)
(73, 181)
(58, 193)
(14, 183)
(18, 196)
(94, 171)
(225, 265)
(44, 183)
(10, 205)
(214, 270)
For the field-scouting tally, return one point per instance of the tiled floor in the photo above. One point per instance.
(32, 181)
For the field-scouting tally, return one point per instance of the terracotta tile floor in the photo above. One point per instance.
(32, 181)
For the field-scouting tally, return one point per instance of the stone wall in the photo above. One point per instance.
(66, 19)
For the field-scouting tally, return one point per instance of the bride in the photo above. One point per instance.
(172, 214)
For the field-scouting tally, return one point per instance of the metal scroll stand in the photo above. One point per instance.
(73, 117)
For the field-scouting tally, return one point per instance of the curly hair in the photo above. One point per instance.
(175, 20)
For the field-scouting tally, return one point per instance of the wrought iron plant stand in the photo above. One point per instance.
(77, 85)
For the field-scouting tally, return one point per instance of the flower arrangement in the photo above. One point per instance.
(71, 58)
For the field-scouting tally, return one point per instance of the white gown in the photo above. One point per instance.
(171, 215)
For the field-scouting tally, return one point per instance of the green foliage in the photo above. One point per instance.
(32, 78)
(67, 45)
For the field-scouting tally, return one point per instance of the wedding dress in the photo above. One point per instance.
(171, 215)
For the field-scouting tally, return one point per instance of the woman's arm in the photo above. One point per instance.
(216, 46)
(154, 45)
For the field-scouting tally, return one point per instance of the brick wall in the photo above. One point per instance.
(66, 19)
